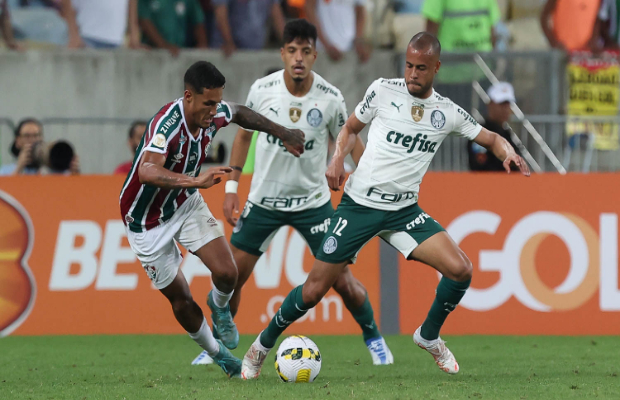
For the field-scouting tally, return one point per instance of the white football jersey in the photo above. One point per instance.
(281, 181)
(403, 138)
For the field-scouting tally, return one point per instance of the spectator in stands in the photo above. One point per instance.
(103, 24)
(462, 25)
(243, 23)
(499, 112)
(6, 28)
(165, 24)
(48, 21)
(608, 16)
(571, 24)
(136, 131)
(340, 26)
(28, 132)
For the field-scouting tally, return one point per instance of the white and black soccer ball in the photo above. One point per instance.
(298, 360)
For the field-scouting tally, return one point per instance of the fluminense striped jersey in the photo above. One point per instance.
(144, 207)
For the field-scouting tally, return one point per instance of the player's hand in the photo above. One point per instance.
(519, 162)
(24, 158)
(75, 42)
(294, 140)
(213, 176)
(231, 208)
(335, 174)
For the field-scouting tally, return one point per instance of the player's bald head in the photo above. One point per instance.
(425, 43)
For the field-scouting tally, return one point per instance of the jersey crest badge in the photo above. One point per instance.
(315, 117)
(417, 112)
(438, 120)
(159, 140)
(294, 113)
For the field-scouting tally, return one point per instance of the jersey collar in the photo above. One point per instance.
(191, 137)
(424, 101)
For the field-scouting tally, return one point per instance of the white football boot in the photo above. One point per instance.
(202, 359)
(379, 351)
(442, 355)
(253, 360)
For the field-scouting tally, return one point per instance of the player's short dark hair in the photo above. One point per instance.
(18, 130)
(299, 29)
(133, 126)
(203, 75)
(425, 40)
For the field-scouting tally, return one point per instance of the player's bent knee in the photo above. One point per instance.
(464, 270)
(226, 274)
(182, 304)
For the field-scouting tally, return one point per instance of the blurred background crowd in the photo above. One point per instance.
(551, 54)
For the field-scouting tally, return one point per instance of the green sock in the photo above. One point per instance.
(366, 320)
(449, 294)
(292, 308)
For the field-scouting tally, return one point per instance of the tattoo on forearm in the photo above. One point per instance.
(249, 119)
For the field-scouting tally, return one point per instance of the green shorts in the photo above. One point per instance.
(257, 226)
(354, 225)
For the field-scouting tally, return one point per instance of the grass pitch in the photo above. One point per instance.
(158, 367)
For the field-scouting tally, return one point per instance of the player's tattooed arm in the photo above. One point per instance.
(243, 116)
(347, 141)
(151, 171)
(502, 150)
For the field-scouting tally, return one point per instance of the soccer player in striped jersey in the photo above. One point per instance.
(160, 204)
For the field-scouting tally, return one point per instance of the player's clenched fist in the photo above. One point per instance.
(213, 176)
(335, 174)
(293, 141)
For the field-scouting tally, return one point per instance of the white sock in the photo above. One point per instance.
(260, 345)
(221, 299)
(205, 339)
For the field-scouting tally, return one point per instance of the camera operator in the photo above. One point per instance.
(36, 157)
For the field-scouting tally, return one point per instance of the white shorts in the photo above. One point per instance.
(192, 225)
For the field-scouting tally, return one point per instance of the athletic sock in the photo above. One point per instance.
(205, 339)
(220, 299)
(449, 294)
(292, 308)
(366, 320)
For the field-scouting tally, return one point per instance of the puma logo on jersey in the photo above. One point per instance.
(410, 142)
(397, 107)
(274, 111)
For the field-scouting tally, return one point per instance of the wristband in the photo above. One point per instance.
(234, 167)
(231, 186)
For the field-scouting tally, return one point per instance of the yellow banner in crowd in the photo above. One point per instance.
(594, 91)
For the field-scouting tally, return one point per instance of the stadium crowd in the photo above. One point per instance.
(462, 25)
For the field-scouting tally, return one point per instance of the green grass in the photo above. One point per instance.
(158, 367)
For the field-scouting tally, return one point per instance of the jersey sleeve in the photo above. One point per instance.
(161, 132)
(144, 9)
(464, 124)
(433, 10)
(197, 15)
(367, 109)
(340, 116)
(223, 115)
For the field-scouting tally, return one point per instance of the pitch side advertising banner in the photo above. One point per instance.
(544, 250)
(66, 266)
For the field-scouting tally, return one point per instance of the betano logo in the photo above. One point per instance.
(593, 261)
(17, 285)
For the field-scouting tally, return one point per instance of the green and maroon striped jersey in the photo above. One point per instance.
(144, 207)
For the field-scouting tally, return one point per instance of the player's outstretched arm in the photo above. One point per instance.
(346, 142)
(502, 150)
(151, 171)
(358, 150)
(246, 118)
(238, 156)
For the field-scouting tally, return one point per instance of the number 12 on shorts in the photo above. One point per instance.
(340, 225)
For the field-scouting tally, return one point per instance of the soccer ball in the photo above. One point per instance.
(298, 360)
